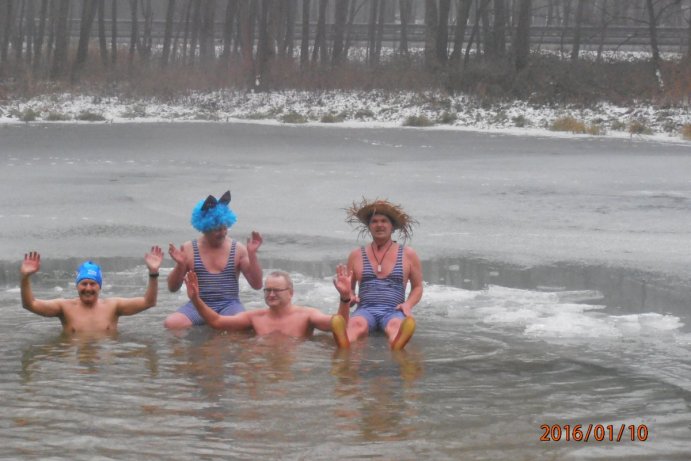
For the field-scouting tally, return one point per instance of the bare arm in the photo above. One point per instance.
(131, 306)
(343, 281)
(241, 321)
(415, 278)
(177, 275)
(320, 320)
(249, 263)
(31, 265)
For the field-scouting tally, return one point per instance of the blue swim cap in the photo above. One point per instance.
(211, 214)
(89, 270)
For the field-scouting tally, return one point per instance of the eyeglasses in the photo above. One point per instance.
(274, 290)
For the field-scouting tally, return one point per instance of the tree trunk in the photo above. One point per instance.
(206, 33)
(380, 31)
(30, 16)
(88, 13)
(372, 32)
(319, 51)
(18, 37)
(487, 43)
(404, 13)
(38, 43)
(431, 18)
(146, 42)
(289, 38)
(113, 32)
(349, 27)
(652, 27)
(196, 24)
(575, 51)
(231, 13)
(134, 31)
(521, 44)
(564, 26)
(168, 33)
(443, 31)
(305, 44)
(340, 18)
(61, 40)
(102, 41)
(7, 26)
(499, 38)
(604, 22)
(246, 16)
(462, 15)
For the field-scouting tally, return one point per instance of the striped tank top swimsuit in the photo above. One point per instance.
(381, 295)
(217, 289)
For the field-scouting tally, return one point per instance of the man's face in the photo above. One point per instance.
(88, 291)
(217, 236)
(380, 226)
(277, 292)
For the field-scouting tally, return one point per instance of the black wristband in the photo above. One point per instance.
(345, 300)
(153, 276)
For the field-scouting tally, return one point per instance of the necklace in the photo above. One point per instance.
(374, 253)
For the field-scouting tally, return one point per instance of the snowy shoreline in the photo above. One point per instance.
(376, 109)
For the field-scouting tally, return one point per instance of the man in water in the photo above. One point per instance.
(217, 259)
(382, 270)
(281, 316)
(88, 312)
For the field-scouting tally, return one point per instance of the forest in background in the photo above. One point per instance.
(526, 49)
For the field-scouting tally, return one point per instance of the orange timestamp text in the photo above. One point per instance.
(594, 432)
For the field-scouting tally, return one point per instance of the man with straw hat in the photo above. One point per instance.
(382, 270)
(217, 260)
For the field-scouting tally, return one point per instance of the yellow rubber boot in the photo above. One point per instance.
(405, 332)
(338, 329)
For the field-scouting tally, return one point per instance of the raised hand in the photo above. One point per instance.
(31, 263)
(192, 284)
(343, 281)
(176, 254)
(153, 259)
(254, 242)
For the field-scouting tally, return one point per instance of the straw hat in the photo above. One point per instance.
(359, 214)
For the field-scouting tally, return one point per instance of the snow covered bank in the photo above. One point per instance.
(372, 108)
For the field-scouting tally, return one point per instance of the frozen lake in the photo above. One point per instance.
(558, 285)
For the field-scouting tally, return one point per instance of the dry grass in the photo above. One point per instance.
(686, 131)
(569, 124)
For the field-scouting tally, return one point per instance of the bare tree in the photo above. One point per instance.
(113, 32)
(431, 18)
(61, 39)
(372, 32)
(30, 23)
(40, 35)
(231, 13)
(340, 19)
(87, 19)
(320, 51)
(521, 43)
(443, 31)
(134, 31)
(576, 48)
(404, 13)
(462, 15)
(305, 44)
(102, 41)
(499, 38)
(168, 33)
(206, 31)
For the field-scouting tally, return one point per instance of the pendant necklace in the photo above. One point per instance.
(382, 256)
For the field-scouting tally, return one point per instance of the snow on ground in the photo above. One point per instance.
(355, 108)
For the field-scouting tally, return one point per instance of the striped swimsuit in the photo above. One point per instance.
(380, 296)
(219, 291)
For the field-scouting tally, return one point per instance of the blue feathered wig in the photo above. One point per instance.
(211, 214)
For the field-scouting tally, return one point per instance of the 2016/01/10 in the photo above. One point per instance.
(597, 432)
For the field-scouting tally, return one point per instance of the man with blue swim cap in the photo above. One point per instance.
(216, 259)
(88, 312)
(382, 271)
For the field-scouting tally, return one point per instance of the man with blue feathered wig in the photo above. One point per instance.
(217, 260)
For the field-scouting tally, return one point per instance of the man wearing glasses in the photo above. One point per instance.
(281, 316)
